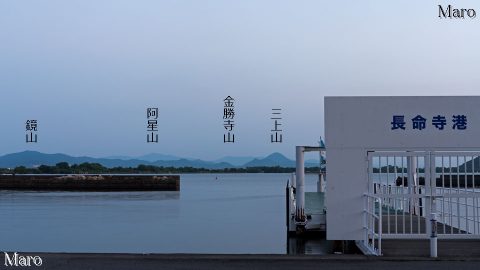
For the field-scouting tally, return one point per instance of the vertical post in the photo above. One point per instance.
(430, 188)
(292, 198)
(287, 207)
(321, 183)
(321, 176)
(412, 180)
(365, 220)
(380, 229)
(428, 201)
(300, 189)
(433, 235)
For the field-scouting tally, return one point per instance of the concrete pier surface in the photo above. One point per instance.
(83, 261)
(89, 182)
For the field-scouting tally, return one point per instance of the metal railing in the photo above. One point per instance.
(372, 224)
(421, 195)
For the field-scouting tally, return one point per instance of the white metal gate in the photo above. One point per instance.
(421, 195)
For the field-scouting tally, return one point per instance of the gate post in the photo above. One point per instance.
(433, 235)
(431, 192)
(412, 181)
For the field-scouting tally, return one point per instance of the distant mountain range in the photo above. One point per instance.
(275, 159)
(235, 161)
(34, 159)
(152, 157)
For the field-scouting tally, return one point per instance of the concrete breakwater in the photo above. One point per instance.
(80, 182)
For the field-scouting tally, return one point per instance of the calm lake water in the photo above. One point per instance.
(237, 213)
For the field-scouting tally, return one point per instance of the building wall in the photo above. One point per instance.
(355, 125)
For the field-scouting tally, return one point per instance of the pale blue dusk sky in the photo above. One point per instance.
(87, 70)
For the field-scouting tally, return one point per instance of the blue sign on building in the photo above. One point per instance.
(459, 122)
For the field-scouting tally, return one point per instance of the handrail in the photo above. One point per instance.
(373, 233)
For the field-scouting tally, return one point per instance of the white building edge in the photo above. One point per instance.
(405, 167)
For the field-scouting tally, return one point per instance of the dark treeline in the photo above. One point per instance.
(446, 181)
(393, 169)
(96, 168)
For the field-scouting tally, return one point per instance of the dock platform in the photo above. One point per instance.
(315, 211)
(315, 203)
(414, 224)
